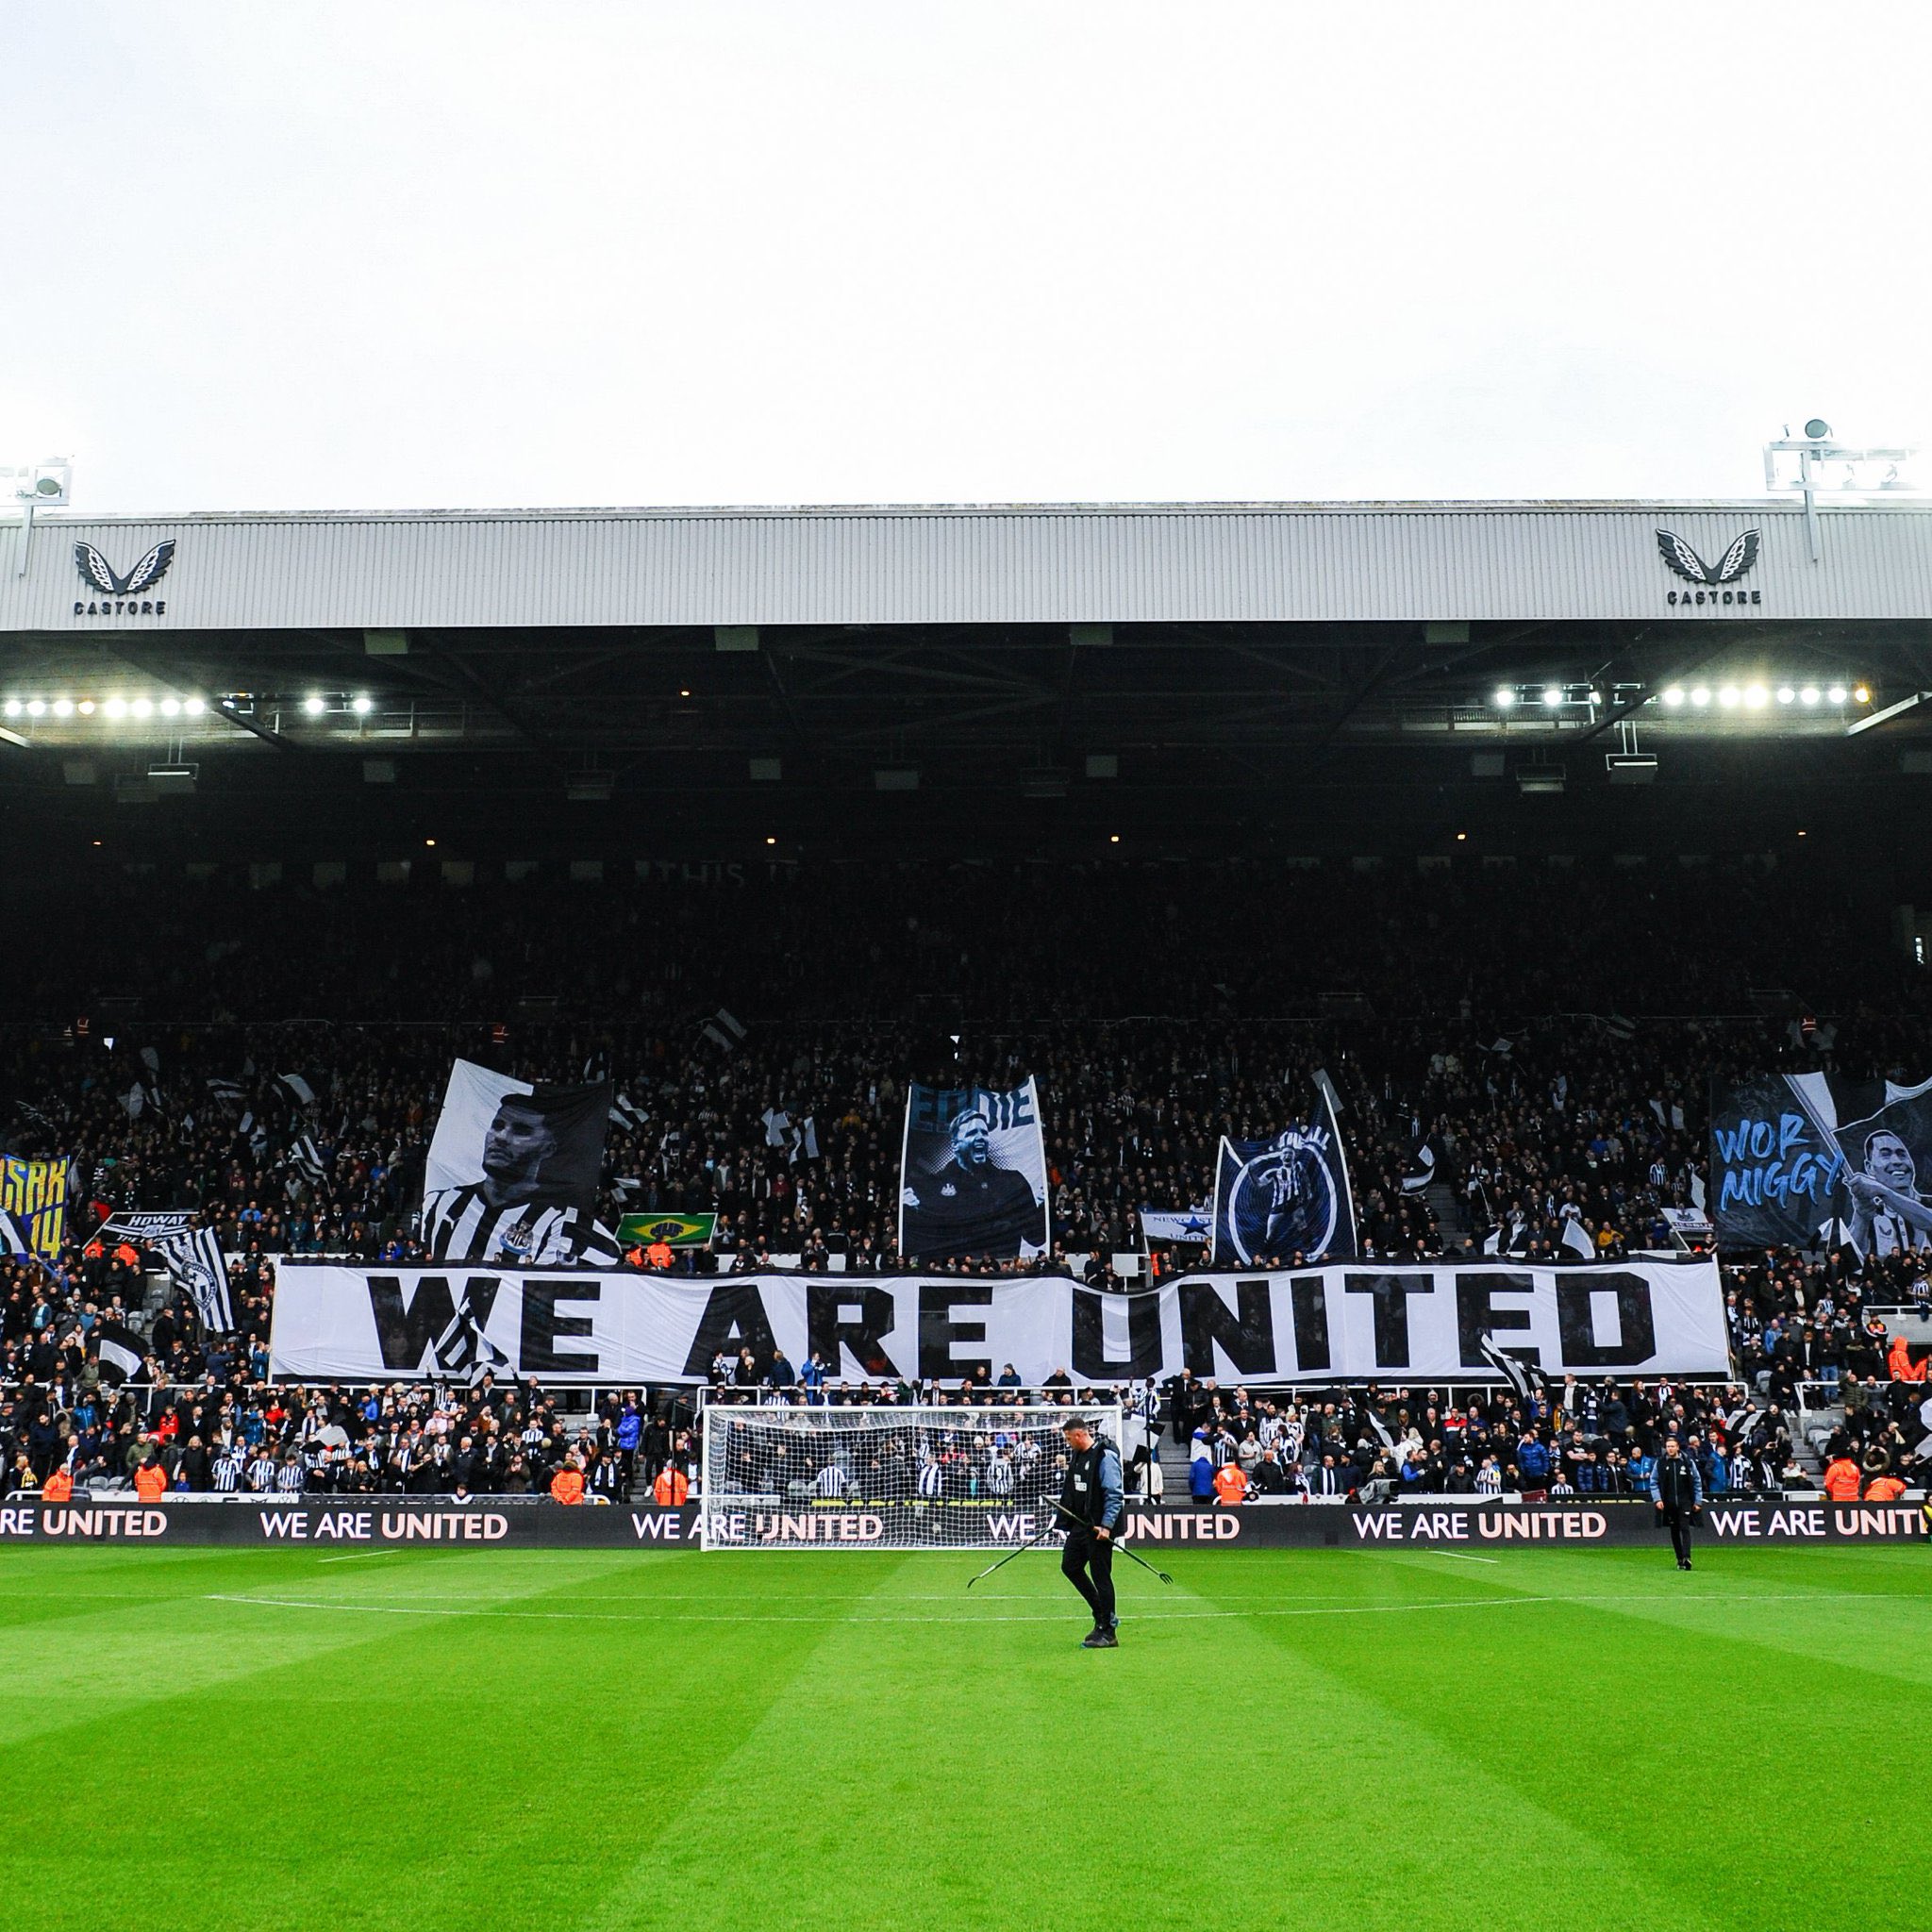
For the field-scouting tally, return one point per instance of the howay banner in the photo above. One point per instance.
(1810, 1160)
(1343, 1322)
(972, 1174)
(192, 1256)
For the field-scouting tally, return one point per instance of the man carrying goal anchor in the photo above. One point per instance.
(1093, 1501)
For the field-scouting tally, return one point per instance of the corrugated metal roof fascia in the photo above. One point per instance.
(1292, 565)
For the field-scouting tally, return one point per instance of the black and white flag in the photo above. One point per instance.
(626, 1114)
(307, 1159)
(298, 1084)
(1525, 1378)
(1288, 1196)
(725, 1029)
(512, 1172)
(1576, 1238)
(1422, 1168)
(195, 1265)
(192, 1256)
(16, 1238)
(119, 1351)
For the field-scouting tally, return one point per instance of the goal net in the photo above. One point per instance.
(917, 1477)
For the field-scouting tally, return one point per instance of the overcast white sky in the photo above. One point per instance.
(274, 255)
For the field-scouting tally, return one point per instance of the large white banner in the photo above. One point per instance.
(1346, 1321)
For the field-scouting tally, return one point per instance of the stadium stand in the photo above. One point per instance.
(1564, 1082)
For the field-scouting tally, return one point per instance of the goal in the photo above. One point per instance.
(913, 1477)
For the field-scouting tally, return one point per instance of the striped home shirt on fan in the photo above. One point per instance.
(458, 1224)
(228, 1467)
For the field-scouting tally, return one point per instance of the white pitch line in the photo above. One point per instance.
(1501, 1603)
(1460, 1556)
(357, 1556)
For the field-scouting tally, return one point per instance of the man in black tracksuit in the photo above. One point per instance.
(1093, 1501)
(1678, 1489)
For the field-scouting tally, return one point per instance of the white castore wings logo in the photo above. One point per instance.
(95, 570)
(1693, 568)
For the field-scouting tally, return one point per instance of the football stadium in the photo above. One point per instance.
(964, 1214)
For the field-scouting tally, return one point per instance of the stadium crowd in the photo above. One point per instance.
(1504, 1073)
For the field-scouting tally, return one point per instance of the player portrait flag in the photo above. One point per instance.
(972, 1174)
(1286, 1196)
(512, 1172)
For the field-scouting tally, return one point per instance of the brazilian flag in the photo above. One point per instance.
(675, 1230)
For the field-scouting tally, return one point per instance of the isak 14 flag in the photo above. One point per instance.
(1287, 1196)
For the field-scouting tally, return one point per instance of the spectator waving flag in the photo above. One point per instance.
(1525, 1378)
(15, 1238)
(119, 1352)
(195, 1265)
(192, 1256)
(304, 1156)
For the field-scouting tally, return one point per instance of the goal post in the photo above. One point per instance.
(915, 1477)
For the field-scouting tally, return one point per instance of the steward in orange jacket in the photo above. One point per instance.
(59, 1488)
(1841, 1480)
(1231, 1484)
(1885, 1489)
(671, 1490)
(151, 1482)
(567, 1485)
(1899, 1364)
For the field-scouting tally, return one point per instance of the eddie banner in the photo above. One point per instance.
(1340, 1323)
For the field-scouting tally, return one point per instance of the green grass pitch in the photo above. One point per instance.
(203, 1739)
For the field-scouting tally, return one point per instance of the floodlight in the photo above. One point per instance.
(361, 706)
(1504, 698)
(1785, 694)
(37, 707)
(193, 706)
(1727, 696)
(171, 708)
(1837, 695)
(1553, 696)
(1674, 696)
(141, 707)
(1809, 694)
(1817, 429)
(63, 707)
(313, 705)
(1700, 695)
(1755, 696)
